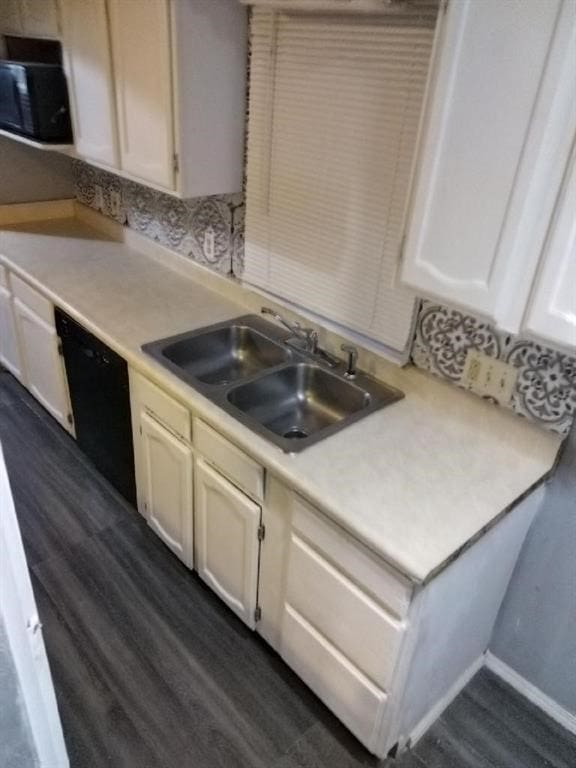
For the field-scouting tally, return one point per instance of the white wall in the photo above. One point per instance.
(28, 174)
(536, 630)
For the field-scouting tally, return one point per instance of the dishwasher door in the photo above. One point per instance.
(100, 397)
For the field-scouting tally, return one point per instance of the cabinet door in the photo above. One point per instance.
(495, 142)
(89, 70)
(227, 544)
(141, 52)
(10, 17)
(39, 18)
(9, 351)
(45, 377)
(552, 313)
(167, 477)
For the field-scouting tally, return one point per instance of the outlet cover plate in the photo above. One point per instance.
(489, 377)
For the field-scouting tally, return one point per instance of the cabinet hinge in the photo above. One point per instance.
(140, 430)
(70, 419)
(60, 349)
(261, 532)
(175, 162)
(257, 613)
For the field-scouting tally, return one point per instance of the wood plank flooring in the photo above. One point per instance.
(152, 671)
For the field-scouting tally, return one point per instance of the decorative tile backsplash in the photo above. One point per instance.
(545, 389)
(209, 230)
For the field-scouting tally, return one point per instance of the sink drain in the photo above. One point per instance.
(294, 433)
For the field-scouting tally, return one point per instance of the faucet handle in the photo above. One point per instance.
(352, 353)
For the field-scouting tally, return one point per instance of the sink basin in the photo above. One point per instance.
(288, 396)
(221, 355)
(300, 401)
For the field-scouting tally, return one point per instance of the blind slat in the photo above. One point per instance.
(334, 111)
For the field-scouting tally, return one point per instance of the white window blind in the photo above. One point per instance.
(335, 103)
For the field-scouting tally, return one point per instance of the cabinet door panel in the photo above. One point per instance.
(45, 376)
(10, 17)
(88, 64)
(342, 687)
(494, 147)
(227, 541)
(167, 469)
(9, 351)
(143, 79)
(39, 18)
(552, 313)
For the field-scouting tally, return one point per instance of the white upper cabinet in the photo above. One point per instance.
(10, 17)
(39, 18)
(552, 311)
(141, 48)
(29, 18)
(495, 142)
(89, 71)
(158, 90)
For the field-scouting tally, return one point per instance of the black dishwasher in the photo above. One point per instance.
(100, 395)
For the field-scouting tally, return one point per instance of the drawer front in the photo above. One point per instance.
(387, 588)
(3, 276)
(34, 300)
(230, 460)
(343, 613)
(356, 701)
(164, 408)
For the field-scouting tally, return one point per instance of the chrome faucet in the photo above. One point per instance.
(352, 353)
(303, 339)
(308, 336)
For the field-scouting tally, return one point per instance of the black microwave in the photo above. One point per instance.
(34, 101)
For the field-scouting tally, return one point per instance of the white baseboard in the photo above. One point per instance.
(433, 714)
(531, 692)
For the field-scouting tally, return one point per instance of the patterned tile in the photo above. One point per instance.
(545, 390)
(208, 230)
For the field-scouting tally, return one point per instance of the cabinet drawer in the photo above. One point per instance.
(345, 615)
(358, 563)
(34, 300)
(3, 276)
(342, 687)
(164, 408)
(229, 459)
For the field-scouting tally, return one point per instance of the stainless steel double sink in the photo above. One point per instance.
(289, 397)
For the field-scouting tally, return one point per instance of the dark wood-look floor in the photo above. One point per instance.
(152, 671)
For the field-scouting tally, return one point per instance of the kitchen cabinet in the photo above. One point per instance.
(42, 362)
(552, 312)
(385, 655)
(88, 65)
(29, 18)
(158, 90)
(10, 17)
(40, 351)
(227, 525)
(167, 478)
(141, 44)
(9, 351)
(498, 129)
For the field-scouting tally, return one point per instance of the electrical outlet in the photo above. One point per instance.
(98, 197)
(209, 244)
(115, 203)
(489, 377)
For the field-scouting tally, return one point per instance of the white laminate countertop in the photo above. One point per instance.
(415, 482)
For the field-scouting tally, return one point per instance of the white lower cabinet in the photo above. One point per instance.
(227, 541)
(45, 376)
(9, 352)
(166, 474)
